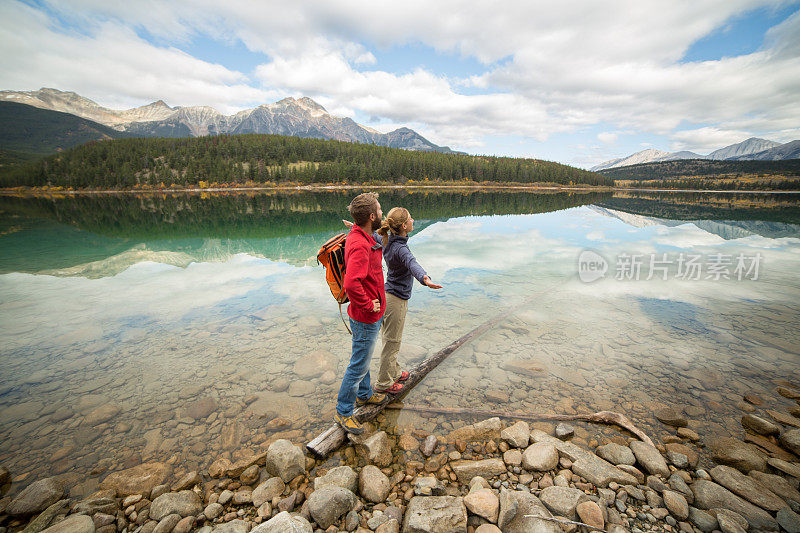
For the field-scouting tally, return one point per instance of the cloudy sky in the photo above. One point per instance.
(578, 82)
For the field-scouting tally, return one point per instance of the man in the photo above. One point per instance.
(363, 283)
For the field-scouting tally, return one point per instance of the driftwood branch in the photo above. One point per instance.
(601, 417)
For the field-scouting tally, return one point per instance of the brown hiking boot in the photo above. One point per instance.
(349, 424)
(376, 398)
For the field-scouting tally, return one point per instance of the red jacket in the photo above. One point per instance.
(363, 276)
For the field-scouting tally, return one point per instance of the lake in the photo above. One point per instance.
(180, 327)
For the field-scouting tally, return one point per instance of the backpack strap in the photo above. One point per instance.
(343, 322)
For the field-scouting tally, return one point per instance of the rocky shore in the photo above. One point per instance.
(480, 478)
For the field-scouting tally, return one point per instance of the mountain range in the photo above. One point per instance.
(750, 149)
(299, 117)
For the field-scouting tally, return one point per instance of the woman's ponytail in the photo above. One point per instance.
(383, 231)
(393, 222)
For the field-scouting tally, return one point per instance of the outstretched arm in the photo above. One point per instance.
(416, 270)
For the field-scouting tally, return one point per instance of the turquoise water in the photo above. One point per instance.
(118, 314)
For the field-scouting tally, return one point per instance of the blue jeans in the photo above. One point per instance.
(355, 382)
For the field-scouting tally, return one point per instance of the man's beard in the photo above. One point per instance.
(376, 224)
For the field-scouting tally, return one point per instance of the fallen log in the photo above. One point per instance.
(601, 417)
(333, 437)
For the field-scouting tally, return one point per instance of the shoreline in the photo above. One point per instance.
(34, 192)
(485, 477)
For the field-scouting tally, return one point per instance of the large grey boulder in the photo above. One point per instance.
(341, 476)
(267, 490)
(514, 505)
(285, 460)
(540, 457)
(709, 495)
(328, 504)
(77, 523)
(586, 464)
(373, 484)
(183, 503)
(283, 522)
(435, 514)
(562, 500)
(616, 454)
(746, 487)
(45, 517)
(650, 458)
(36, 497)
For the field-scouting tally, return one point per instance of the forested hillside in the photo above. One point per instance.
(27, 130)
(130, 163)
(706, 168)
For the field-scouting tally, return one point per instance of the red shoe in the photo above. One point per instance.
(403, 376)
(394, 389)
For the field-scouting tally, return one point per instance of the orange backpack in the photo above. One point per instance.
(331, 257)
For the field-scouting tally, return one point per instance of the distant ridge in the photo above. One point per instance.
(29, 130)
(298, 117)
(749, 149)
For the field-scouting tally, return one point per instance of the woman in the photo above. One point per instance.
(402, 267)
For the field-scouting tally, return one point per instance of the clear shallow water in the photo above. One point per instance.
(139, 328)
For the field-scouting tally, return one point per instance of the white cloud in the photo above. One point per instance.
(548, 68)
(113, 65)
(607, 137)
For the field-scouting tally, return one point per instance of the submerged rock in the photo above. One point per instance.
(733, 452)
(759, 425)
(140, 479)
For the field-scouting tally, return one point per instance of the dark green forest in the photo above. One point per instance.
(259, 158)
(699, 168)
(26, 131)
